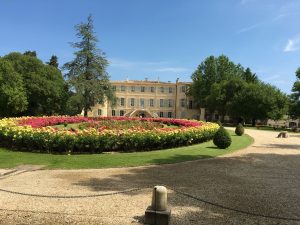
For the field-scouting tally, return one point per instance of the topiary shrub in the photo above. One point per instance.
(239, 130)
(222, 138)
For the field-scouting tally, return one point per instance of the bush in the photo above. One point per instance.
(239, 130)
(222, 138)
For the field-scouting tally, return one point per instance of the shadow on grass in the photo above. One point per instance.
(213, 147)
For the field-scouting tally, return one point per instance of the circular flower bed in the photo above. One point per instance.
(62, 134)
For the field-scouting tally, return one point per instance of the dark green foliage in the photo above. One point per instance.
(30, 53)
(87, 72)
(43, 85)
(13, 98)
(258, 101)
(222, 138)
(219, 123)
(222, 86)
(74, 104)
(239, 130)
(295, 97)
(53, 61)
(249, 77)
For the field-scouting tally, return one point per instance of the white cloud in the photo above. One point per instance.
(147, 66)
(245, 29)
(271, 78)
(292, 45)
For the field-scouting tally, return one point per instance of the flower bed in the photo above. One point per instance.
(40, 134)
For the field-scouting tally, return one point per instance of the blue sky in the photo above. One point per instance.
(162, 39)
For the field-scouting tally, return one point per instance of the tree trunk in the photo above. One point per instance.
(85, 112)
(222, 119)
(253, 122)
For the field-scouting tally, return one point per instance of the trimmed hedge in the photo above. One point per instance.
(239, 130)
(16, 133)
(222, 138)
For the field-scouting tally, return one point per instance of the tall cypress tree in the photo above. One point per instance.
(53, 61)
(87, 72)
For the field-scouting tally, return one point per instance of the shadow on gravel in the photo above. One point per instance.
(283, 146)
(293, 135)
(259, 183)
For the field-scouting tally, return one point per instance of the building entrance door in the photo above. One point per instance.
(142, 115)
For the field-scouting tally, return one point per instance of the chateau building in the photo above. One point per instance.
(150, 99)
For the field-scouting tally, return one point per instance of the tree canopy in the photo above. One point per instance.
(13, 98)
(223, 86)
(41, 87)
(53, 61)
(87, 71)
(295, 96)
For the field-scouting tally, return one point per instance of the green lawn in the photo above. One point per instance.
(9, 159)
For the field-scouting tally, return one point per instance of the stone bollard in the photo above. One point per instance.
(158, 213)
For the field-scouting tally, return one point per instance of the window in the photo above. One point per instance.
(183, 89)
(151, 102)
(142, 89)
(122, 113)
(142, 103)
(162, 90)
(123, 88)
(170, 103)
(161, 103)
(182, 102)
(114, 88)
(190, 104)
(132, 88)
(170, 90)
(122, 101)
(99, 112)
(113, 112)
(169, 114)
(161, 114)
(132, 102)
(152, 89)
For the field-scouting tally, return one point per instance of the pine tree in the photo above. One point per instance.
(87, 72)
(53, 61)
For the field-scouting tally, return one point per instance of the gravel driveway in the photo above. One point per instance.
(257, 185)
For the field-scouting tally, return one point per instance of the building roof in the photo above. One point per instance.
(147, 82)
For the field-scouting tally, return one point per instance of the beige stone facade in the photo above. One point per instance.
(150, 99)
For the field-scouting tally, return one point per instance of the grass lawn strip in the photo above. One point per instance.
(10, 159)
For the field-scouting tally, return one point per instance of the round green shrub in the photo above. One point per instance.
(222, 138)
(239, 130)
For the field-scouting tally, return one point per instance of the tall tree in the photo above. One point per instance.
(258, 101)
(249, 77)
(30, 53)
(13, 98)
(87, 72)
(44, 85)
(211, 71)
(221, 94)
(295, 96)
(53, 61)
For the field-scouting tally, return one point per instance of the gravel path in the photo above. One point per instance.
(263, 179)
